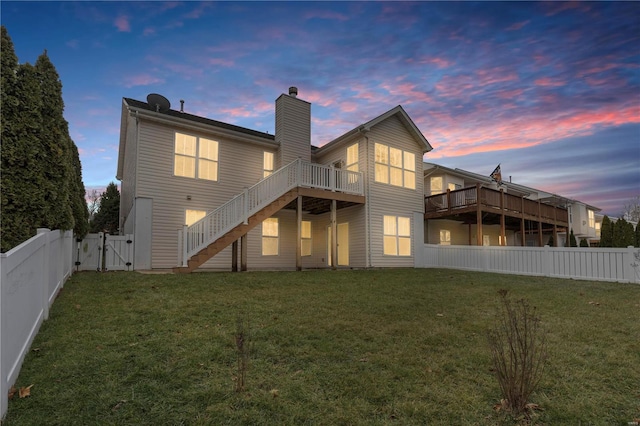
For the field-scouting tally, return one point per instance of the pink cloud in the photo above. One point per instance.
(525, 131)
(122, 24)
(325, 14)
(221, 62)
(548, 82)
(517, 25)
(141, 80)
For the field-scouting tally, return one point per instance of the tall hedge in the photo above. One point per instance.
(41, 180)
(606, 232)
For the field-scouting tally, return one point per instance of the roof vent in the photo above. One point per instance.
(293, 91)
(181, 105)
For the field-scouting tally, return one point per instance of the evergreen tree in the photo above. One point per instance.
(107, 217)
(606, 232)
(22, 168)
(584, 242)
(56, 145)
(78, 202)
(623, 235)
(550, 243)
(637, 244)
(572, 240)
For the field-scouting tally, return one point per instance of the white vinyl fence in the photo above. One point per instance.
(592, 263)
(105, 252)
(31, 275)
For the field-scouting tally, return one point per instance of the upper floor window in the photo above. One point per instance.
(436, 185)
(195, 157)
(397, 236)
(395, 166)
(267, 162)
(592, 218)
(453, 186)
(352, 158)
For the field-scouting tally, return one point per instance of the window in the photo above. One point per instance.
(397, 236)
(395, 167)
(445, 237)
(453, 186)
(192, 216)
(267, 164)
(352, 158)
(486, 240)
(592, 219)
(306, 238)
(195, 157)
(270, 236)
(436, 185)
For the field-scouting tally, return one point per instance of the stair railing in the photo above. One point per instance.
(238, 209)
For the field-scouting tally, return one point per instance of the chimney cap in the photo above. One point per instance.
(293, 91)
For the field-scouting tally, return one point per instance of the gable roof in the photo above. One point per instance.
(364, 128)
(197, 119)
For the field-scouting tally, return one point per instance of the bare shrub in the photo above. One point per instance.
(518, 351)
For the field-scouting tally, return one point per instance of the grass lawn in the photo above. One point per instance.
(403, 346)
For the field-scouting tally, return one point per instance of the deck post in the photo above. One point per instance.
(332, 178)
(334, 236)
(540, 225)
(524, 236)
(299, 237)
(478, 216)
(555, 226)
(234, 256)
(449, 200)
(243, 253)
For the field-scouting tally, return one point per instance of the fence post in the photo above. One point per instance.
(631, 262)
(45, 271)
(548, 261)
(100, 251)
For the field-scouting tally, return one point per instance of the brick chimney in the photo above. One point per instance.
(293, 128)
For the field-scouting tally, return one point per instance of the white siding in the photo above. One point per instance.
(384, 199)
(170, 193)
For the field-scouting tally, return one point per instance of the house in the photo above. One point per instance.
(465, 208)
(199, 193)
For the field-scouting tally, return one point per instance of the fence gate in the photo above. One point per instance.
(104, 252)
(118, 252)
(89, 252)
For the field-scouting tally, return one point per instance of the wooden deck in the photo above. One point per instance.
(478, 205)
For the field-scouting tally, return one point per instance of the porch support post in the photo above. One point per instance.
(299, 238)
(243, 253)
(334, 236)
(478, 216)
(539, 225)
(234, 256)
(524, 236)
(503, 241)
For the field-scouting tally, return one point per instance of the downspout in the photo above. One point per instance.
(364, 130)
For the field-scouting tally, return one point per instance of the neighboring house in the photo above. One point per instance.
(199, 193)
(464, 208)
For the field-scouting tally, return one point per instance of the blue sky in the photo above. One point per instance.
(549, 90)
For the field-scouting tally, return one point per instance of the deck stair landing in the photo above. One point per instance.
(226, 224)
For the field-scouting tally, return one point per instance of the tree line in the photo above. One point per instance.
(41, 184)
(619, 233)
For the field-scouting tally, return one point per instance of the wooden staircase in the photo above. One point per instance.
(223, 242)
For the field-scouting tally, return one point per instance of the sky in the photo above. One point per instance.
(550, 91)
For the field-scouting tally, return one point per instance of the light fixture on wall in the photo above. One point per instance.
(189, 197)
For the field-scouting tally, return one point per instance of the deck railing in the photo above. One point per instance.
(238, 210)
(468, 197)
